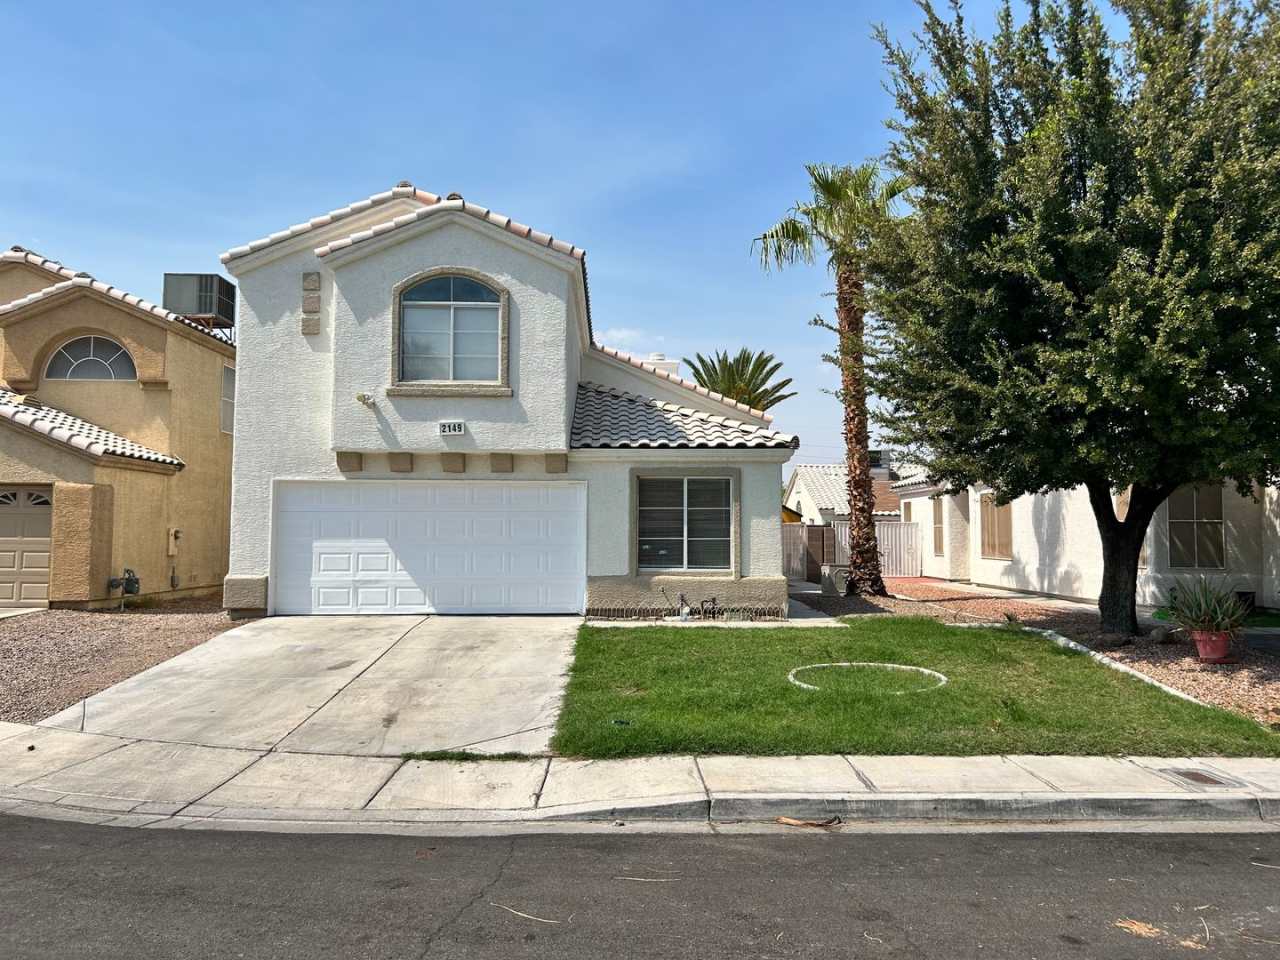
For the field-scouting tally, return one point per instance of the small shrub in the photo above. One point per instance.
(1203, 605)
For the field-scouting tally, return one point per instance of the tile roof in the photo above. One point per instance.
(681, 382)
(17, 254)
(828, 486)
(76, 433)
(84, 280)
(920, 479)
(431, 204)
(453, 203)
(606, 417)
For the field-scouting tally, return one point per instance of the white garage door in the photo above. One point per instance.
(405, 546)
(26, 519)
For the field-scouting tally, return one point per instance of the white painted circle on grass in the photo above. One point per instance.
(934, 674)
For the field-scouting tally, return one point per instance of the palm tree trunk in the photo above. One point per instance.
(864, 554)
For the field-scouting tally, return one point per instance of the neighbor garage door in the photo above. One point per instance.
(26, 518)
(425, 546)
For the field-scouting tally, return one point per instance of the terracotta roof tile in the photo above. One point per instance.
(606, 417)
(682, 382)
(76, 433)
(16, 254)
(115, 293)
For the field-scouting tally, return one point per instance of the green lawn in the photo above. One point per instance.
(636, 692)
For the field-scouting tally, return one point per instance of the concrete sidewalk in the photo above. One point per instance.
(103, 779)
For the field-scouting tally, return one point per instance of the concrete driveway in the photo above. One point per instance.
(365, 686)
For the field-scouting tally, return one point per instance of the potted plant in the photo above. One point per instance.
(1211, 614)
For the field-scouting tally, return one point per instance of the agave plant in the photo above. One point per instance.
(1201, 605)
(744, 377)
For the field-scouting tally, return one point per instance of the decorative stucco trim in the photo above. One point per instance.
(349, 462)
(453, 388)
(400, 462)
(732, 474)
(453, 462)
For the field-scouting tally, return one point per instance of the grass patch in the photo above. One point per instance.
(464, 755)
(712, 690)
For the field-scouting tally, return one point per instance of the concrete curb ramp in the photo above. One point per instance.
(64, 774)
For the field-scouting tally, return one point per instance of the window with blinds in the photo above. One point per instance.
(997, 529)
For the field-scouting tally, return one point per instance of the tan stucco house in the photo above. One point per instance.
(115, 440)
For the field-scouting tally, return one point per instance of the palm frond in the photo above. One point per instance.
(744, 377)
(787, 242)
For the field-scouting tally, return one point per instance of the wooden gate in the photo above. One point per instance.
(795, 552)
(898, 543)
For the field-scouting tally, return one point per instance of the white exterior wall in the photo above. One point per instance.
(953, 564)
(535, 417)
(1056, 548)
(609, 524)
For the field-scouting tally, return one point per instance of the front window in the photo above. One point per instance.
(449, 330)
(685, 523)
(1196, 534)
(91, 358)
(939, 540)
(997, 529)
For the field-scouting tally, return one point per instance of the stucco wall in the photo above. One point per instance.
(19, 279)
(1056, 548)
(1271, 547)
(953, 563)
(26, 459)
(534, 418)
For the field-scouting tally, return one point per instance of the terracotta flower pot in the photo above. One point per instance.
(1214, 646)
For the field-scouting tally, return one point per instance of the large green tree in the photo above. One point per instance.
(1087, 290)
(746, 377)
(849, 204)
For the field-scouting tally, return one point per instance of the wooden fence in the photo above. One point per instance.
(806, 547)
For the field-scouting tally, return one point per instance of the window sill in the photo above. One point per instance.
(679, 572)
(454, 388)
(987, 556)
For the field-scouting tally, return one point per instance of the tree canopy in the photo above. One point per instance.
(1087, 288)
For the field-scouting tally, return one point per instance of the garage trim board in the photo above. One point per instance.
(428, 546)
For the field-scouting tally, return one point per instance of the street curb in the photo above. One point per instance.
(990, 808)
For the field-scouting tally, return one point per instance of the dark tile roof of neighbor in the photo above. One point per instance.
(608, 417)
(62, 427)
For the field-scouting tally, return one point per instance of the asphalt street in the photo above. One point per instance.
(70, 890)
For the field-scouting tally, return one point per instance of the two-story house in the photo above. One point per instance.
(115, 440)
(425, 423)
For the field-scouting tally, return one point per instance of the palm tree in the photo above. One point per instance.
(744, 377)
(847, 206)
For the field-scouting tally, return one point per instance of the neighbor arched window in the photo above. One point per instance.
(91, 358)
(450, 330)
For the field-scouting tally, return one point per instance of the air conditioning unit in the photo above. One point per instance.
(201, 296)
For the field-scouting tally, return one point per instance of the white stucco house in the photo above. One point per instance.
(1049, 543)
(425, 423)
(819, 492)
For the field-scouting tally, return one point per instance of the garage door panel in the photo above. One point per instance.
(424, 546)
(26, 521)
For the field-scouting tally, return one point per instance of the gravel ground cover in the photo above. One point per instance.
(1251, 687)
(54, 658)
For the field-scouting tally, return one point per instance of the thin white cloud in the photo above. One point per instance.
(630, 338)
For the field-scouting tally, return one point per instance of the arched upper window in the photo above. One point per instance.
(91, 358)
(450, 330)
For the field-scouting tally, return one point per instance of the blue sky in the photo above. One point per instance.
(660, 137)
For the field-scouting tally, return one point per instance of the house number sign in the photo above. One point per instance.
(452, 428)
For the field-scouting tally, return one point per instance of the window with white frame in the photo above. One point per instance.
(939, 536)
(450, 331)
(685, 523)
(1197, 537)
(228, 402)
(90, 358)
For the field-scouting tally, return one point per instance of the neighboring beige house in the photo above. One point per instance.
(115, 440)
(1048, 543)
(819, 492)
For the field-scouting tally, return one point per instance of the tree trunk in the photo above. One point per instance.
(864, 554)
(1121, 548)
